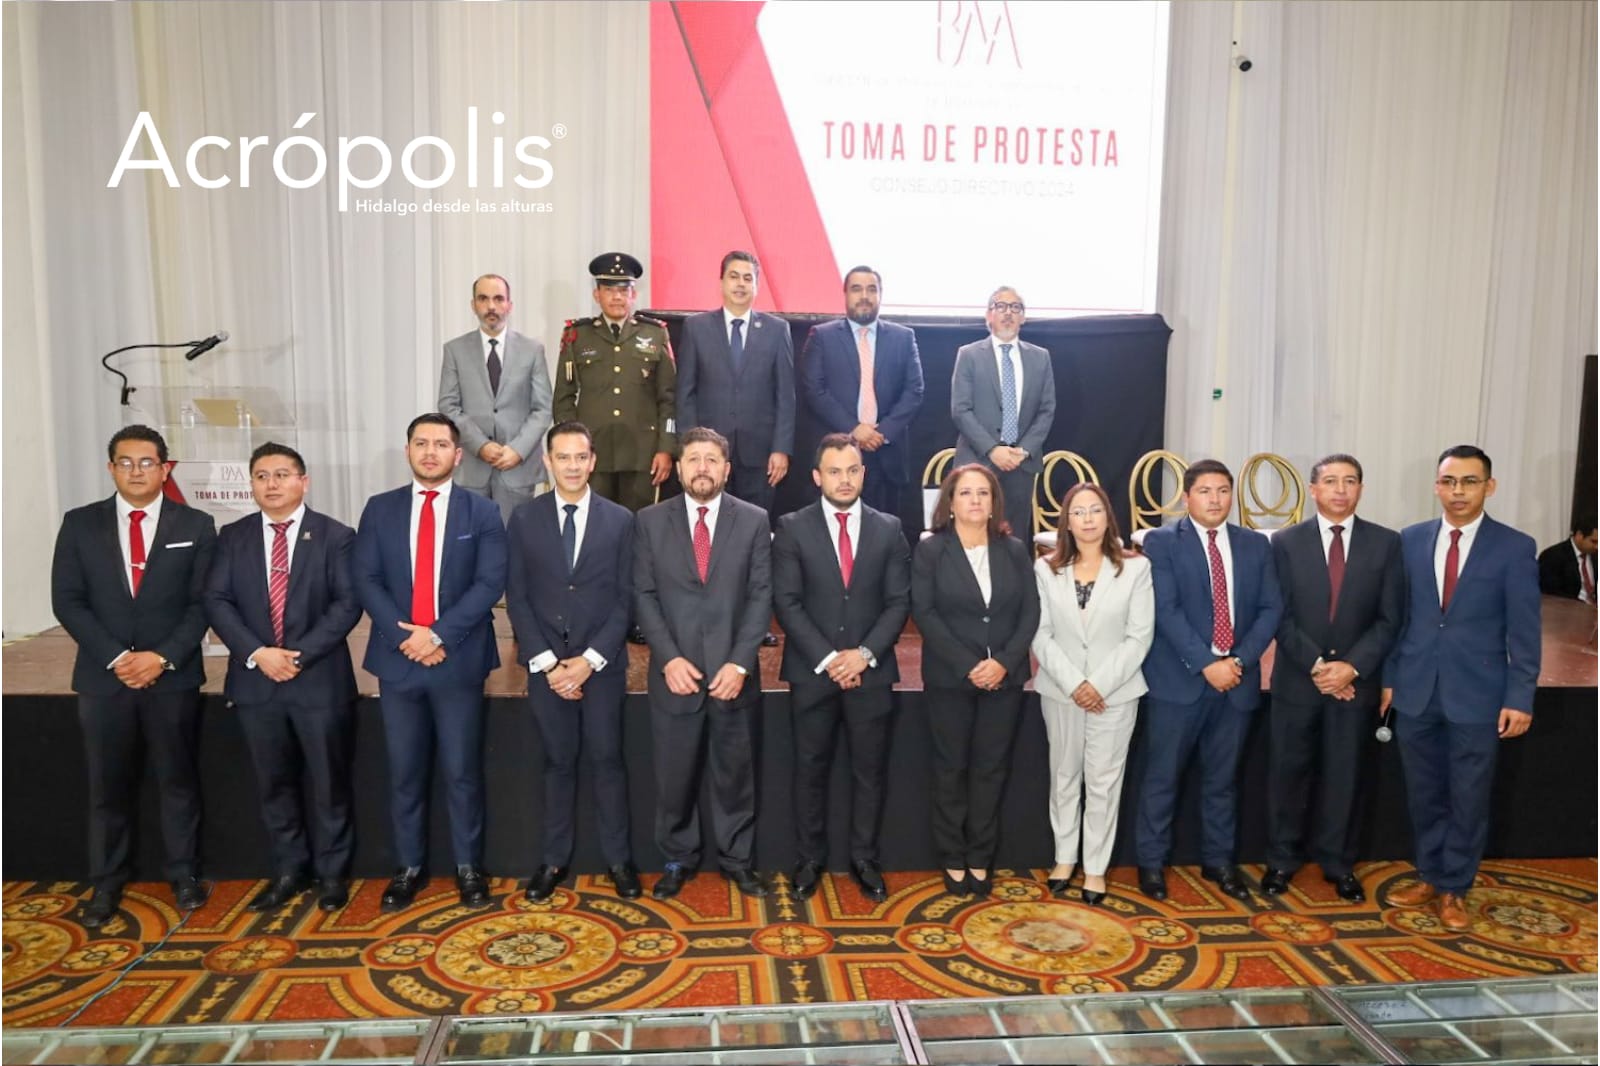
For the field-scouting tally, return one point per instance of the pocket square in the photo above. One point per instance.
(180, 544)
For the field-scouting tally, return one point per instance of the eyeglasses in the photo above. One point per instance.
(1001, 307)
(1469, 483)
(126, 465)
(1087, 512)
(261, 477)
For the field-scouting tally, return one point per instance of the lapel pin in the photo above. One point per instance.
(306, 535)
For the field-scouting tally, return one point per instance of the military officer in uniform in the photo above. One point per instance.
(617, 376)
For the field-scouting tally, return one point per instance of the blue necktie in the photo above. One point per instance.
(736, 343)
(1008, 397)
(569, 536)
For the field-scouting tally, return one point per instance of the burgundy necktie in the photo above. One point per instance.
(702, 546)
(1452, 567)
(136, 548)
(278, 578)
(1221, 622)
(422, 606)
(1588, 578)
(847, 557)
(1335, 570)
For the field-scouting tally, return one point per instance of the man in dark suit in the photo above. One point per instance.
(1567, 569)
(841, 587)
(430, 563)
(495, 386)
(702, 581)
(1217, 609)
(1003, 402)
(1461, 678)
(280, 595)
(126, 584)
(736, 375)
(875, 408)
(1343, 604)
(570, 594)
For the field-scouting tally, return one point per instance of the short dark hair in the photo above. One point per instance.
(271, 448)
(571, 425)
(144, 433)
(1202, 467)
(497, 277)
(862, 269)
(1468, 451)
(1337, 457)
(703, 435)
(829, 443)
(998, 526)
(1584, 523)
(737, 256)
(433, 418)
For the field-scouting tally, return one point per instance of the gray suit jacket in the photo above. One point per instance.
(517, 416)
(754, 406)
(975, 403)
(1104, 644)
(720, 621)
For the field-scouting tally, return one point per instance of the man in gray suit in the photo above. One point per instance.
(495, 387)
(702, 594)
(1003, 401)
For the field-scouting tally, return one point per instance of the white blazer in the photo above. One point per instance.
(1104, 644)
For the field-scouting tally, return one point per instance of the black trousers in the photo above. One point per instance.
(749, 483)
(972, 733)
(1316, 745)
(882, 487)
(288, 744)
(591, 726)
(1017, 486)
(630, 488)
(867, 715)
(722, 737)
(119, 732)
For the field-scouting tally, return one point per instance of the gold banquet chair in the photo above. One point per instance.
(1062, 470)
(1285, 486)
(1148, 508)
(932, 477)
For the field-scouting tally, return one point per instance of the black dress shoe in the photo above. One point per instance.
(1276, 882)
(101, 906)
(190, 892)
(1153, 882)
(1348, 887)
(636, 636)
(1058, 886)
(955, 886)
(280, 890)
(543, 883)
(1093, 898)
(625, 878)
(769, 640)
(979, 887)
(473, 886)
(1228, 879)
(746, 881)
(332, 893)
(672, 880)
(806, 879)
(870, 880)
(402, 890)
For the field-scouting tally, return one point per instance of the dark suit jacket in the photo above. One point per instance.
(1558, 571)
(958, 630)
(721, 621)
(1371, 607)
(318, 614)
(754, 406)
(1182, 578)
(90, 595)
(472, 575)
(975, 403)
(565, 616)
(818, 614)
(831, 381)
(1483, 653)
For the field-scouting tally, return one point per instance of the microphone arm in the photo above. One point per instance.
(198, 346)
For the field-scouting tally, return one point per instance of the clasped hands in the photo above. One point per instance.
(683, 679)
(868, 437)
(138, 669)
(1223, 674)
(988, 675)
(499, 456)
(1088, 698)
(1336, 679)
(1006, 458)
(846, 668)
(566, 677)
(419, 646)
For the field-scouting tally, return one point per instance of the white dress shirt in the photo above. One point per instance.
(441, 509)
(978, 559)
(500, 347)
(729, 318)
(147, 529)
(712, 506)
(853, 525)
(1441, 548)
(1326, 528)
(291, 536)
(1227, 569)
(546, 659)
(1583, 572)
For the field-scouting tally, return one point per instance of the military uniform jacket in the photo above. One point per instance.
(621, 388)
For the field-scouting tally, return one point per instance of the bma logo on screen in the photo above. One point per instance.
(975, 34)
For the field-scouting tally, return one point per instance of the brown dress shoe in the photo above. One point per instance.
(1414, 894)
(1453, 913)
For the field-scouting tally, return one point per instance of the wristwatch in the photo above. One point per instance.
(436, 640)
(166, 663)
(1238, 662)
(866, 653)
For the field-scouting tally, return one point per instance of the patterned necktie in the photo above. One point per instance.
(569, 537)
(1008, 397)
(422, 606)
(136, 548)
(736, 343)
(278, 578)
(702, 546)
(1452, 569)
(1588, 578)
(1221, 621)
(494, 367)
(847, 558)
(867, 403)
(1335, 570)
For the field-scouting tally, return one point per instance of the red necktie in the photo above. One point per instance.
(136, 548)
(1452, 567)
(847, 558)
(702, 546)
(1335, 570)
(278, 578)
(422, 607)
(1588, 578)
(1221, 623)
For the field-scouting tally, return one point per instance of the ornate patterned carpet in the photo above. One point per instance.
(587, 950)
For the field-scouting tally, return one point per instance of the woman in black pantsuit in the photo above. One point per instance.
(976, 603)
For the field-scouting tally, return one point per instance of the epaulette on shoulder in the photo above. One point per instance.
(647, 320)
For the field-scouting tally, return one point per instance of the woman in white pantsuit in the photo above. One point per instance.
(1096, 619)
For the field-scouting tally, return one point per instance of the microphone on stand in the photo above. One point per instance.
(1384, 733)
(202, 347)
(196, 349)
